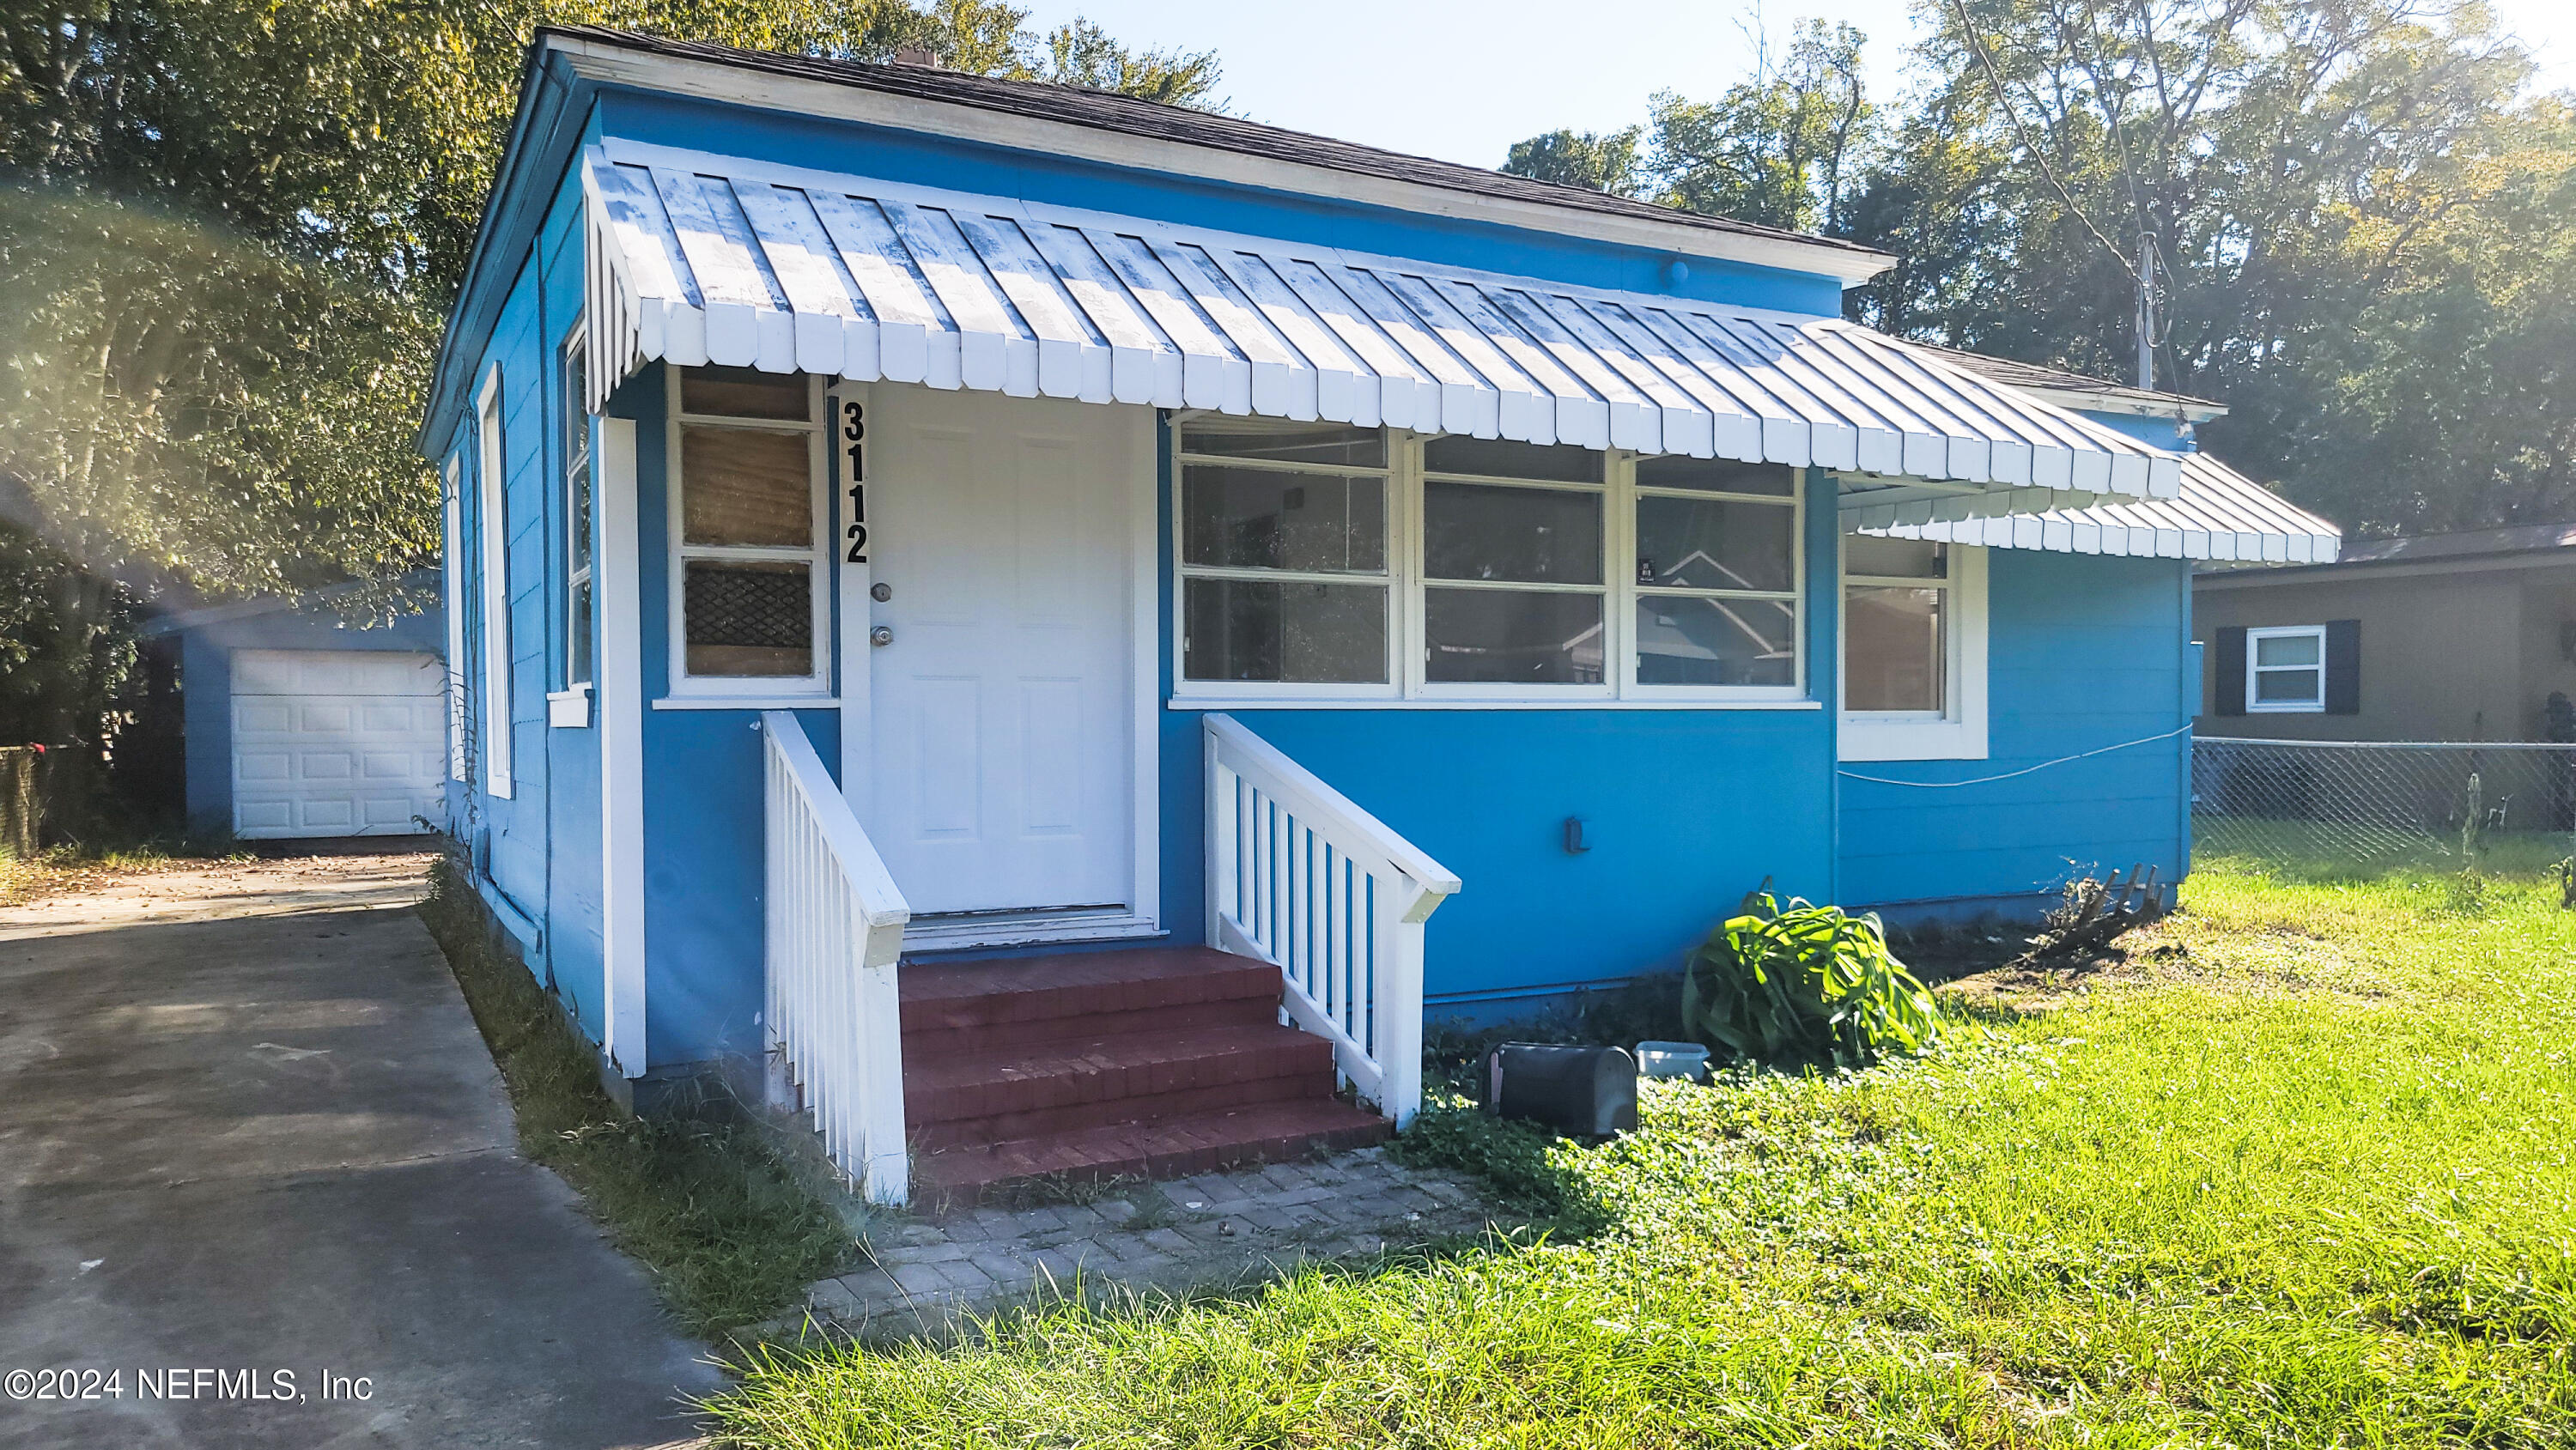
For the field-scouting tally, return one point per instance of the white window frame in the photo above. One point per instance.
(576, 429)
(452, 556)
(745, 691)
(1407, 685)
(1956, 731)
(1391, 580)
(492, 523)
(2254, 670)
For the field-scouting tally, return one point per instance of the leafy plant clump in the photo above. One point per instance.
(1805, 985)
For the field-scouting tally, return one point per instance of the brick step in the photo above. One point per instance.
(1067, 1086)
(1171, 1148)
(950, 1007)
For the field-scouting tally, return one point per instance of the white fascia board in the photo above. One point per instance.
(708, 80)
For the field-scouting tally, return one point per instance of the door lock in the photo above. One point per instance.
(881, 635)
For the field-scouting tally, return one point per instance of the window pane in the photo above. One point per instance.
(578, 624)
(1722, 475)
(1689, 543)
(1349, 447)
(1894, 656)
(749, 618)
(743, 393)
(1254, 518)
(1499, 458)
(1234, 629)
(2286, 687)
(1896, 558)
(1527, 535)
(746, 486)
(2286, 649)
(577, 507)
(1686, 641)
(1504, 636)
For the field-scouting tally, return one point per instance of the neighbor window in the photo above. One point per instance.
(1318, 561)
(2285, 670)
(577, 490)
(748, 533)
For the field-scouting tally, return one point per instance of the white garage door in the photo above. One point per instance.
(336, 742)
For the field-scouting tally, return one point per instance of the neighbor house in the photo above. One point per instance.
(970, 590)
(2441, 637)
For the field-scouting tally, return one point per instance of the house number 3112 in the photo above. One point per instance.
(854, 435)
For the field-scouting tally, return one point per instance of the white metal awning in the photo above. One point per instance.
(2221, 515)
(700, 259)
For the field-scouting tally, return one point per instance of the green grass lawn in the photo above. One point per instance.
(2295, 1174)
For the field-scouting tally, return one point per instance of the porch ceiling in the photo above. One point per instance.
(2220, 515)
(700, 259)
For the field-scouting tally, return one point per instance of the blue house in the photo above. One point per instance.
(977, 599)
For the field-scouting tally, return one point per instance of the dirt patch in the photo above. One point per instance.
(184, 889)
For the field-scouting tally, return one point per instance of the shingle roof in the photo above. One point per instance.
(2059, 380)
(1128, 115)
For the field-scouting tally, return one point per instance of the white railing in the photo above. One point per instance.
(1301, 877)
(835, 928)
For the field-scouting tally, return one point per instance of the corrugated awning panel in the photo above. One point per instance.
(2221, 515)
(701, 259)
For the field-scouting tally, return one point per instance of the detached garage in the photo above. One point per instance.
(299, 724)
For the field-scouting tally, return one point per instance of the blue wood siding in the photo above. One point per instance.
(2083, 652)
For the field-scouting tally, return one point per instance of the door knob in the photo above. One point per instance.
(881, 635)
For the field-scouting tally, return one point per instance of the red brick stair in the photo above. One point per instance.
(1153, 1062)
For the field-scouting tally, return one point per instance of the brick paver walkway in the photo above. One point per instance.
(1217, 1228)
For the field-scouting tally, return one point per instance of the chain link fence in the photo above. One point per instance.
(2375, 805)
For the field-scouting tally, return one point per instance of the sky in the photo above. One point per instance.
(1463, 79)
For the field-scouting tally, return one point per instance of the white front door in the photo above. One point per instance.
(1003, 537)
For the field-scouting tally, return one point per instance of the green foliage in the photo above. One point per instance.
(1805, 985)
(732, 1229)
(1524, 1167)
(1594, 160)
(2309, 1188)
(2364, 212)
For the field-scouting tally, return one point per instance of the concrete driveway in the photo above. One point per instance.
(252, 1153)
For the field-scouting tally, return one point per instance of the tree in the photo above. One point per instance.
(230, 231)
(2361, 217)
(1778, 149)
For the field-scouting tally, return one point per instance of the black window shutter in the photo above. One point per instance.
(2343, 666)
(2231, 670)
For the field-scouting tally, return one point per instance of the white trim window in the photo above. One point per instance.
(579, 617)
(1913, 650)
(750, 545)
(2285, 670)
(452, 557)
(492, 522)
(1321, 564)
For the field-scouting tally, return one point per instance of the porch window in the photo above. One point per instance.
(1283, 556)
(747, 523)
(1322, 563)
(1913, 650)
(577, 489)
(1717, 571)
(2285, 670)
(1513, 548)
